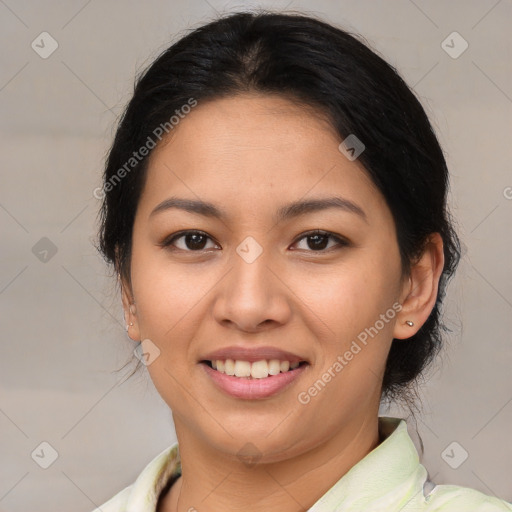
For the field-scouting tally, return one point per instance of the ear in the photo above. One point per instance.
(419, 291)
(130, 310)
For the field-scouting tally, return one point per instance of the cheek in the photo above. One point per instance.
(166, 293)
(353, 322)
(349, 297)
(352, 352)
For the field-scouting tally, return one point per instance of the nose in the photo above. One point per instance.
(252, 297)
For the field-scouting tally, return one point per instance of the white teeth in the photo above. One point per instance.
(242, 369)
(229, 367)
(274, 367)
(257, 370)
(284, 366)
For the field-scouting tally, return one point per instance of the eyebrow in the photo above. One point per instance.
(286, 212)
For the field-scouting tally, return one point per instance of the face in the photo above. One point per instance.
(248, 279)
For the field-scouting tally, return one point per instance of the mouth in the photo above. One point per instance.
(253, 373)
(261, 369)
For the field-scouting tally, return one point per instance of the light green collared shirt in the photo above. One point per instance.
(388, 479)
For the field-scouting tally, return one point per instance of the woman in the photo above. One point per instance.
(274, 203)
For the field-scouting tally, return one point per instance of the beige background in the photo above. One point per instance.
(62, 326)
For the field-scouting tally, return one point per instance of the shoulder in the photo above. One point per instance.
(117, 503)
(143, 494)
(448, 498)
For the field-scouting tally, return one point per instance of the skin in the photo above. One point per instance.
(251, 154)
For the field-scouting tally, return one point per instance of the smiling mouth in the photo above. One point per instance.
(255, 370)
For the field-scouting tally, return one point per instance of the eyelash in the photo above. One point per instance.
(167, 243)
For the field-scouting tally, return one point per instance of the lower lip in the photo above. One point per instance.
(253, 389)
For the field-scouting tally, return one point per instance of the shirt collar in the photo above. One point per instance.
(385, 479)
(146, 489)
(388, 476)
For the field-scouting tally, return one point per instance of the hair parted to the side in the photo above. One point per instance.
(323, 68)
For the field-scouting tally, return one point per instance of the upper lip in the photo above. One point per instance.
(252, 354)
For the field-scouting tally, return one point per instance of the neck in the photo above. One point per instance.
(212, 480)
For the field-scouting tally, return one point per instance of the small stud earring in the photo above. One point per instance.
(409, 323)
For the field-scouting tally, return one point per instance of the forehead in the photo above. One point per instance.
(254, 151)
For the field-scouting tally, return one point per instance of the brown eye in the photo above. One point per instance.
(192, 241)
(317, 241)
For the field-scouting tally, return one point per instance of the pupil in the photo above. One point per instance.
(316, 244)
(192, 241)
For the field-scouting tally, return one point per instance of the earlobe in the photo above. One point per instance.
(421, 288)
(130, 313)
(128, 317)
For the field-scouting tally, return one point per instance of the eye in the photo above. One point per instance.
(317, 240)
(193, 241)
